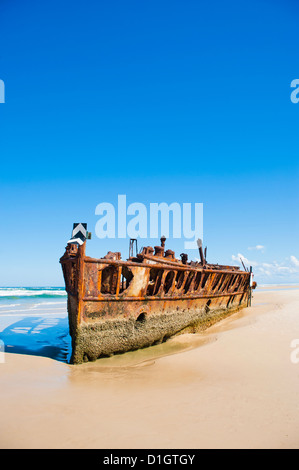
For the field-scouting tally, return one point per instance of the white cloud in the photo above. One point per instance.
(294, 261)
(283, 271)
(245, 260)
(257, 247)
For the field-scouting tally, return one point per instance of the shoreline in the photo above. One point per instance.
(231, 386)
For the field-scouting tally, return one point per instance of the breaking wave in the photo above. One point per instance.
(32, 292)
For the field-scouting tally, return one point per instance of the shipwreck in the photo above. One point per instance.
(117, 305)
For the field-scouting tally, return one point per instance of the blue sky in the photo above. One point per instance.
(164, 101)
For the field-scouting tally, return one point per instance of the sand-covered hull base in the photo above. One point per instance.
(99, 338)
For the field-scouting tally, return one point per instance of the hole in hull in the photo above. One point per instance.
(140, 320)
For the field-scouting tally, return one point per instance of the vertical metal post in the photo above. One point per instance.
(131, 248)
(250, 287)
(202, 258)
(80, 287)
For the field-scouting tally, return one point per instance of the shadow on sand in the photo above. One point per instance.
(38, 336)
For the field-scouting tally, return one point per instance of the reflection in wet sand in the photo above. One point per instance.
(147, 356)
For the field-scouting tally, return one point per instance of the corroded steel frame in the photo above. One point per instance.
(159, 297)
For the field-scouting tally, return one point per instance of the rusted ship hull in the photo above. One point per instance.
(116, 306)
(94, 338)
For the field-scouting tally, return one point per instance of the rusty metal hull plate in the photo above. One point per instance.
(116, 306)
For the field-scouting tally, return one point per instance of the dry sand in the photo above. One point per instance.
(233, 386)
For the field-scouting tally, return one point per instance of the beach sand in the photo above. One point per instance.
(233, 386)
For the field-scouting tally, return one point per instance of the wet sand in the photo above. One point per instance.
(233, 386)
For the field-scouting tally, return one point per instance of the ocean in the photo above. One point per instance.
(33, 320)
